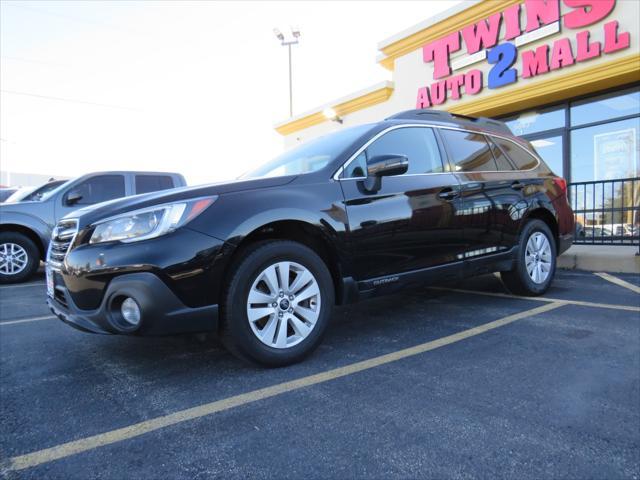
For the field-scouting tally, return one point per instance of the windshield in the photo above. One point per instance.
(310, 156)
(38, 194)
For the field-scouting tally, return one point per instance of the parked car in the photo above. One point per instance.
(6, 192)
(19, 193)
(26, 226)
(421, 197)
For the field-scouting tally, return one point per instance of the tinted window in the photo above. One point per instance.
(418, 144)
(502, 162)
(100, 189)
(469, 151)
(152, 183)
(522, 159)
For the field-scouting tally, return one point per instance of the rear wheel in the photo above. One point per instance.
(19, 257)
(536, 264)
(278, 303)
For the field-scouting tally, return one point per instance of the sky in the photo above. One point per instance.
(190, 87)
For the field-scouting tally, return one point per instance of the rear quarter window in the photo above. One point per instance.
(522, 159)
(153, 183)
(469, 151)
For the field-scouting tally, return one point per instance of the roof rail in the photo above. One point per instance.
(442, 116)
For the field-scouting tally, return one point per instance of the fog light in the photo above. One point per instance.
(130, 311)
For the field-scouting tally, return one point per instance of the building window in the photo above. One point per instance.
(591, 139)
(605, 107)
(551, 149)
(605, 152)
(534, 121)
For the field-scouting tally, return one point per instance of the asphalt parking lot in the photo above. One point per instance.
(465, 381)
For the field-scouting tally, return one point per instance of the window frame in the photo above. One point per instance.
(444, 151)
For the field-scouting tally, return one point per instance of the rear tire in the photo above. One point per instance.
(277, 305)
(19, 257)
(536, 264)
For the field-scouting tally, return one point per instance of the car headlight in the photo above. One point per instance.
(148, 222)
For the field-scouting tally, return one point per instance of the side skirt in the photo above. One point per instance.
(450, 272)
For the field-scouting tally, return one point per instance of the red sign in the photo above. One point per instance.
(480, 40)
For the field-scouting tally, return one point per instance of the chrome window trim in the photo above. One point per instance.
(340, 170)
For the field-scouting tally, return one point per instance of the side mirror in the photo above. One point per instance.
(387, 165)
(384, 166)
(73, 197)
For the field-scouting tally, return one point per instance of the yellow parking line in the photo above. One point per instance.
(20, 285)
(627, 308)
(88, 443)
(26, 320)
(618, 281)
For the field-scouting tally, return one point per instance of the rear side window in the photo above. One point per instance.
(100, 189)
(522, 159)
(152, 183)
(469, 151)
(418, 144)
(502, 162)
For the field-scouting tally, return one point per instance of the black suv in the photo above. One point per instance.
(423, 196)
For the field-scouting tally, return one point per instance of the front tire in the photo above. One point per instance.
(536, 265)
(19, 257)
(278, 303)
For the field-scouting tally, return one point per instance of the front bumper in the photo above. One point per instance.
(162, 312)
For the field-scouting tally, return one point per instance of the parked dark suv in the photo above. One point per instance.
(422, 196)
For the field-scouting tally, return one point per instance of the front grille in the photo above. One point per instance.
(61, 240)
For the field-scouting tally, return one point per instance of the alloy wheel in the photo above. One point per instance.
(13, 259)
(538, 257)
(283, 304)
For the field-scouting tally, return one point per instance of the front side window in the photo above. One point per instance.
(418, 144)
(100, 189)
(469, 151)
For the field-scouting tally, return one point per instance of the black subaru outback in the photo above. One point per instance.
(421, 197)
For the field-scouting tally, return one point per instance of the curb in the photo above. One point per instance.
(601, 258)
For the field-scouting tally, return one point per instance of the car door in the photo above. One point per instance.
(491, 192)
(412, 221)
(92, 190)
(525, 182)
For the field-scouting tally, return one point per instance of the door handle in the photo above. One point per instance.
(517, 185)
(448, 194)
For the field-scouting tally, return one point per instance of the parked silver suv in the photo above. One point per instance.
(25, 227)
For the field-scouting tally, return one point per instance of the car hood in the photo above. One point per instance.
(94, 213)
(20, 207)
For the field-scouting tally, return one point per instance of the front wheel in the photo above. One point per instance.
(278, 303)
(536, 264)
(19, 257)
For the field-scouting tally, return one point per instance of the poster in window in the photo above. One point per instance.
(615, 154)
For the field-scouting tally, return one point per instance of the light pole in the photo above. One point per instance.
(293, 40)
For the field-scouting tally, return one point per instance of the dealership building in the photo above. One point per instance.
(562, 73)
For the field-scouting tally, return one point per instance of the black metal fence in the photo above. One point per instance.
(607, 212)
